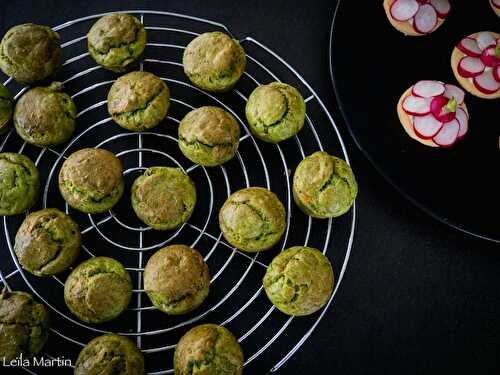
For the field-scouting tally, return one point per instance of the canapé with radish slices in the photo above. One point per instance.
(476, 64)
(434, 113)
(417, 17)
(495, 4)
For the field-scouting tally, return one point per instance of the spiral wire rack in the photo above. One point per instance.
(236, 299)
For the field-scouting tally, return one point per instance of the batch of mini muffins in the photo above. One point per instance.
(432, 112)
(299, 281)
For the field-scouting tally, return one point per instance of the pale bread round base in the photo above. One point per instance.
(405, 120)
(467, 83)
(404, 26)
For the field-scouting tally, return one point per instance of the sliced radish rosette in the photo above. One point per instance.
(437, 112)
(423, 15)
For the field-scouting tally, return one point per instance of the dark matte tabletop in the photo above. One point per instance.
(417, 297)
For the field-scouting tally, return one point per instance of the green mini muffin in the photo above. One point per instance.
(110, 354)
(45, 116)
(163, 197)
(275, 112)
(24, 325)
(47, 242)
(117, 41)
(6, 108)
(299, 281)
(324, 186)
(208, 349)
(176, 279)
(209, 136)
(19, 183)
(91, 180)
(252, 219)
(30, 53)
(214, 61)
(138, 101)
(98, 290)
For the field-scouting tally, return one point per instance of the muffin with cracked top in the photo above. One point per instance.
(30, 53)
(208, 349)
(209, 136)
(176, 279)
(275, 112)
(45, 116)
(6, 108)
(299, 280)
(252, 219)
(117, 41)
(91, 180)
(138, 101)
(110, 354)
(98, 290)
(214, 61)
(47, 242)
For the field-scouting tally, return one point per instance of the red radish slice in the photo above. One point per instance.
(463, 120)
(485, 40)
(470, 47)
(486, 83)
(416, 106)
(426, 126)
(442, 7)
(489, 58)
(452, 91)
(496, 3)
(439, 110)
(425, 20)
(496, 73)
(428, 89)
(448, 134)
(470, 67)
(403, 10)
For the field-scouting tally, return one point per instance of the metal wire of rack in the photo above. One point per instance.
(237, 300)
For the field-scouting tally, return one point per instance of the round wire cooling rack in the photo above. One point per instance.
(236, 299)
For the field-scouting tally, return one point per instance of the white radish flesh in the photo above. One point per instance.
(403, 10)
(463, 120)
(486, 83)
(496, 73)
(426, 126)
(442, 7)
(470, 67)
(428, 89)
(496, 3)
(426, 19)
(485, 40)
(470, 47)
(448, 134)
(452, 91)
(416, 106)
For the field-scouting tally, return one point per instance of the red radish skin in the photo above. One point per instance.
(426, 127)
(452, 91)
(416, 106)
(428, 89)
(442, 7)
(403, 10)
(486, 83)
(438, 109)
(470, 67)
(489, 58)
(448, 134)
(485, 40)
(425, 20)
(496, 3)
(470, 47)
(463, 120)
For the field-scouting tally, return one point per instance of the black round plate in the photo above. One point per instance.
(371, 65)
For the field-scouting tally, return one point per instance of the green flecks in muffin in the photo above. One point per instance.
(6, 108)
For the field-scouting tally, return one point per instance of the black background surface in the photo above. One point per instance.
(417, 296)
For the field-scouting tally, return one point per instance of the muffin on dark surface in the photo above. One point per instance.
(214, 61)
(45, 116)
(176, 279)
(299, 280)
(324, 186)
(117, 41)
(208, 349)
(163, 197)
(110, 354)
(30, 53)
(19, 183)
(91, 180)
(138, 101)
(6, 108)
(252, 219)
(275, 112)
(24, 325)
(209, 136)
(98, 290)
(47, 242)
